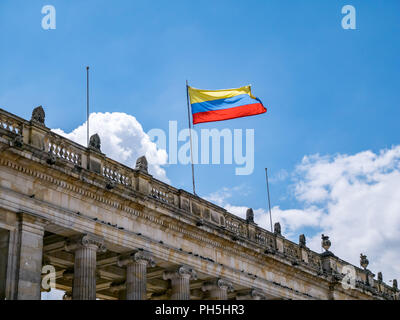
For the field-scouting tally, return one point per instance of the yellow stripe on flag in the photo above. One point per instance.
(199, 95)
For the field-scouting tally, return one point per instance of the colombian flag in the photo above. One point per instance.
(217, 105)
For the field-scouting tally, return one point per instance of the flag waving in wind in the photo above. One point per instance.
(218, 105)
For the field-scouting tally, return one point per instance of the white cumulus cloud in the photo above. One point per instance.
(359, 197)
(355, 199)
(122, 139)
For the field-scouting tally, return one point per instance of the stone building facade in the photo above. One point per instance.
(113, 232)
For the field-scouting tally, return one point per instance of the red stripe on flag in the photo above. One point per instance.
(230, 113)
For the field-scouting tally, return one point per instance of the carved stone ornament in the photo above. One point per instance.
(50, 158)
(250, 215)
(395, 284)
(325, 243)
(86, 240)
(182, 271)
(95, 142)
(380, 277)
(302, 241)
(224, 284)
(363, 261)
(38, 116)
(144, 257)
(141, 164)
(277, 228)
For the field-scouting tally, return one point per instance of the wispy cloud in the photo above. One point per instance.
(352, 198)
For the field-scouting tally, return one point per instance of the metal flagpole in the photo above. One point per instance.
(269, 201)
(190, 133)
(87, 105)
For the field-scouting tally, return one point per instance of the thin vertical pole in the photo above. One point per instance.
(190, 133)
(87, 105)
(269, 201)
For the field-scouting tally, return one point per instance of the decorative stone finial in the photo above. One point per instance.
(38, 116)
(325, 243)
(364, 261)
(85, 240)
(380, 277)
(395, 284)
(110, 184)
(17, 141)
(250, 215)
(277, 228)
(50, 158)
(95, 143)
(141, 164)
(302, 240)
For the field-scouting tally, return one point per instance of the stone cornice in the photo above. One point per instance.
(86, 241)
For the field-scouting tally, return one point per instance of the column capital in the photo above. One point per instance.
(218, 284)
(180, 272)
(143, 257)
(86, 241)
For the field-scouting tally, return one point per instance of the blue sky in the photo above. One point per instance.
(328, 91)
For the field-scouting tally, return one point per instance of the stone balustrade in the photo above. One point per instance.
(59, 148)
(11, 123)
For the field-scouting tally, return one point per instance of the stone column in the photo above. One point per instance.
(136, 274)
(253, 294)
(217, 289)
(30, 245)
(86, 248)
(180, 282)
(4, 244)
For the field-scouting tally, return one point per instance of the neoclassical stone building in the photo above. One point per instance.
(113, 232)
